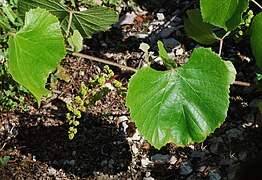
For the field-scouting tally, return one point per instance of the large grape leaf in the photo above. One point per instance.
(86, 22)
(226, 14)
(198, 30)
(256, 39)
(35, 50)
(182, 105)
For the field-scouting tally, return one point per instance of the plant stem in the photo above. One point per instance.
(102, 61)
(257, 4)
(221, 43)
(247, 84)
(69, 22)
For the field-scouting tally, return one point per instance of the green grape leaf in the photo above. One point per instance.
(76, 41)
(86, 22)
(182, 105)
(256, 39)
(226, 14)
(170, 63)
(35, 50)
(198, 30)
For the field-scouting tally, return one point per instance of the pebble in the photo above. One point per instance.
(171, 43)
(103, 163)
(173, 160)
(214, 175)
(148, 174)
(145, 162)
(136, 136)
(134, 149)
(234, 134)
(126, 19)
(51, 171)
(160, 16)
(185, 168)
(167, 32)
(148, 178)
(160, 158)
(72, 162)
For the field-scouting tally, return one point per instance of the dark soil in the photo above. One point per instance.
(37, 139)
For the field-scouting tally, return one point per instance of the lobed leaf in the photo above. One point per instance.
(256, 39)
(35, 50)
(198, 30)
(86, 22)
(182, 105)
(226, 14)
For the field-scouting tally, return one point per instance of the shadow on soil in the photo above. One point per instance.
(97, 147)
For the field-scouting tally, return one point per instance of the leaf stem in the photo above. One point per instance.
(70, 22)
(102, 60)
(257, 4)
(221, 42)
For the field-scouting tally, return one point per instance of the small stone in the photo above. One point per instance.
(145, 162)
(103, 163)
(148, 174)
(185, 168)
(134, 149)
(148, 178)
(160, 158)
(235, 134)
(173, 160)
(51, 171)
(214, 175)
(167, 32)
(136, 136)
(160, 16)
(171, 43)
(72, 162)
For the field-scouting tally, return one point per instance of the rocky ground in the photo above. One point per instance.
(108, 145)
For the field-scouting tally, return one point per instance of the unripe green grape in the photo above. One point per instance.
(96, 77)
(76, 123)
(71, 129)
(101, 80)
(117, 84)
(68, 116)
(240, 33)
(71, 136)
(69, 107)
(78, 99)
(83, 108)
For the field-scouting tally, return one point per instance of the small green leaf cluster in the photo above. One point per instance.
(89, 95)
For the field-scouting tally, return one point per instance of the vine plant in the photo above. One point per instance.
(183, 104)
